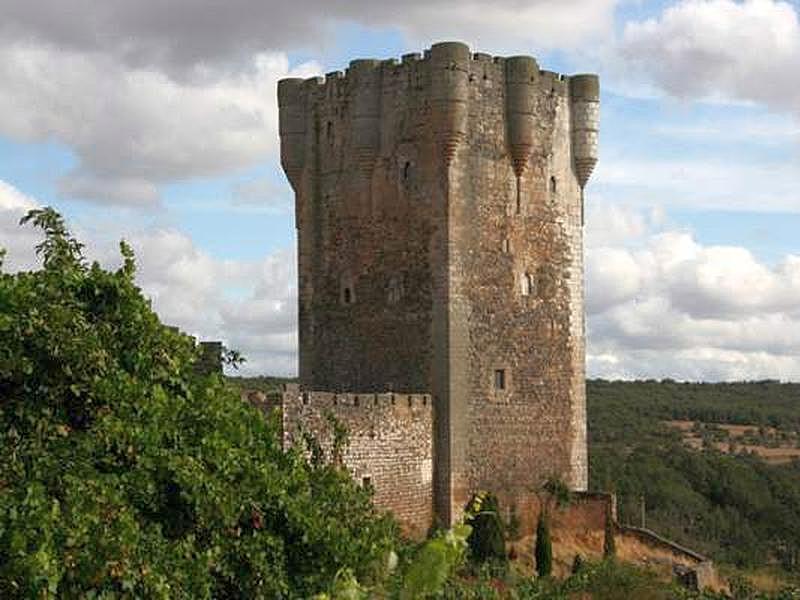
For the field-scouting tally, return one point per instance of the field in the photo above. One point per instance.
(768, 443)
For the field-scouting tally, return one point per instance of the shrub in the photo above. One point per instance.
(487, 540)
(577, 564)
(125, 474)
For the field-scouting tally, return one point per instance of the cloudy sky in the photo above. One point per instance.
(156, 122)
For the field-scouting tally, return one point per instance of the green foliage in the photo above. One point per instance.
(435, 563)
(736, 509)
(487, 540)
(262, 383)
(558, 493)
(606, 580)
(124, 474)
(543, 549)
(577, 564)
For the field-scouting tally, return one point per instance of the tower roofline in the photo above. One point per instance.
(586, 83)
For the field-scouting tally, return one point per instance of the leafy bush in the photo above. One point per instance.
(435, 563)
(487, 540)
(124, 474)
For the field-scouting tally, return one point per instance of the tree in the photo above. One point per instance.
(126, 474)
(543, 550)
(487, 539)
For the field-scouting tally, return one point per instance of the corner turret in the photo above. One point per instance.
(449, 94)
(292, 128)
(585, 95)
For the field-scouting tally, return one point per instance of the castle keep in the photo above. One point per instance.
(439, 213)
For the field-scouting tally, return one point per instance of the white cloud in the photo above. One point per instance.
(263, 194)
(719, 49)
(507, 26)
(18, 242)
(768, 130)
(145, 93)
(133, 129)
(181, 34)
(672, 307)
(708, 183)
(614, 278)
(189, 288)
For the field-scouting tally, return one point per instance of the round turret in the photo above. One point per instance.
(364, 79)
(521, 76)
(585, 96)
(449, 64)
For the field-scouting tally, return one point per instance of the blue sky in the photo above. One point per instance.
(166, 135)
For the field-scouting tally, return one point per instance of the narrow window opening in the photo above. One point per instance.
(506, 246)
(366, 482)
(406, 170)
(356, 401)
(348, 295)
(527, 284)
(500, 379)
(553, 185)
(329, 131)
(395, 289)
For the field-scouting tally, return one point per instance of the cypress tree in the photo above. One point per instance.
(543, 551)
(609, 543)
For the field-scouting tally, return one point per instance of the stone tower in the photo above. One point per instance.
(439, 213)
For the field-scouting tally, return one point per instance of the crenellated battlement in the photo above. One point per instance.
(416, 404)
(363, 97)
(412, 59)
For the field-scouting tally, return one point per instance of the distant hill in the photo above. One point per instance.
(692, 450)
(262, 383)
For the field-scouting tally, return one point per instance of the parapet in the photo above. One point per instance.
(352, 402)
(445, 74)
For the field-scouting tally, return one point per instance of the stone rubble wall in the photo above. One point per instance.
(390, 446)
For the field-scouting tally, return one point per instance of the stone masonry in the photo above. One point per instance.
(439, 213)
(389, 444)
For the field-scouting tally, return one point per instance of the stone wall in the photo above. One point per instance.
(390, 446)
(439, 211)
(580, 528)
